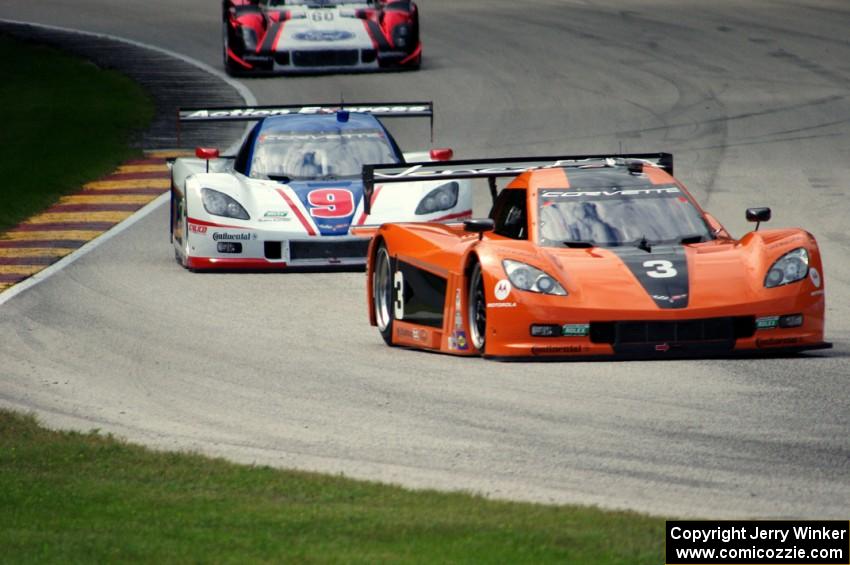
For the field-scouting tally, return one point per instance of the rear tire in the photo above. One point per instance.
(477, 309)
(383, 293)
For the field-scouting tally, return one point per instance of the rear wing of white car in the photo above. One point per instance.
(492, 169)
(255, 113)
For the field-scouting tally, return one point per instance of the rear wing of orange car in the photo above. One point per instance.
(256, 113)
(492, 169)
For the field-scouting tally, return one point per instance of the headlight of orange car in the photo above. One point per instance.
(791, 267)
(532, 279)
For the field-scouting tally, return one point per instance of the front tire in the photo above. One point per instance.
(383, 293)
(477, 309)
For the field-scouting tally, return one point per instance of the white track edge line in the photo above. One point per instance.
(44, 274)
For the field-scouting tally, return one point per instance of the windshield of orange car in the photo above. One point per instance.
(610, 217)
(302, 155)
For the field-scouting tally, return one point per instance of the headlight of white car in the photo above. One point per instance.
(219, 204)
(791, 267)
(532, 279)
(444, 197)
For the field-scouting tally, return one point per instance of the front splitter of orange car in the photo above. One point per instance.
(535, 326)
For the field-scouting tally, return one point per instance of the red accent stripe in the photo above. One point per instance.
(60, 208)
(375, 194)
(465, 215)
(233, 56)
(127, 191)
(412, 56)
(210, 263)
(52, 243)
(298, 214)
(138, 176)
(212, 225)
(64, 226)
(35, 260)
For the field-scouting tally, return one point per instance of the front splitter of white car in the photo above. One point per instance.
(209, 246)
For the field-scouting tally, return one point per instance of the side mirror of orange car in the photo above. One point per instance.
(479, 226)
(758, 215)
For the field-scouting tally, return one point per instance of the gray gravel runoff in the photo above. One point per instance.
(283, 369)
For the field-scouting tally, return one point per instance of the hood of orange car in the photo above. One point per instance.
(668, 277)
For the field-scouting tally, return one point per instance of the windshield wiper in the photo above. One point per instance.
(279, 178)
(644, 244)
(577, 244)
(695, 238)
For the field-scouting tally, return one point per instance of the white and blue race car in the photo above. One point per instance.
(293, 194)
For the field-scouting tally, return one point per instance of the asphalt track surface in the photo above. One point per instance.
(283, 369)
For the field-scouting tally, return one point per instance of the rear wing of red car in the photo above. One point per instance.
(492, 169)
(255, 113)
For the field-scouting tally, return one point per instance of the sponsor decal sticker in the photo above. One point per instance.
(612, 193)
(323, 35)
(218, 236)
(458, 341)
(815, 276)
(556, 349)
(458, 314)
(777, 341)
(501, 305)
(575, 330)
(767, 323)
(263, 112)
(503, 289)
(196, 228)
(417, 334)
(671, 299)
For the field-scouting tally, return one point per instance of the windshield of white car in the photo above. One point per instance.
(640, 216)
(319, 155)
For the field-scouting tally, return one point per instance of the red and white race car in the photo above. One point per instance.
(309, 36)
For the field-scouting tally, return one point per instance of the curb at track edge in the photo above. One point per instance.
(240, 88)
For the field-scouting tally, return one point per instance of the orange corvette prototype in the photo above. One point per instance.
(589, 257)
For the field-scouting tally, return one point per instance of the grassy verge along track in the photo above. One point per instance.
(75, 497)
(65, 122)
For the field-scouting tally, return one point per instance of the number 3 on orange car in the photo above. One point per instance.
(398, 303)
(660, 269)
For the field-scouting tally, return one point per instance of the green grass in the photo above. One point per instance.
(71, 497)
(65, 122)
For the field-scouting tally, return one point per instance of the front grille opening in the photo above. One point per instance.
(348, 249)
(273, 249)
(679, 331)
(342, 58)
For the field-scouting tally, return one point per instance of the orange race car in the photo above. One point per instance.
(589, 257)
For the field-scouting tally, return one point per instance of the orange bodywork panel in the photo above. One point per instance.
(609, 308)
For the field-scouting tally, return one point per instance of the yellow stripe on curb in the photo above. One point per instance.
(68, 235)
(128, 184)
(4, 286)
(130, 169)
(78, 217)
(107, 199)
(168, 154)
(20, 269)
(34, 252)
